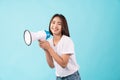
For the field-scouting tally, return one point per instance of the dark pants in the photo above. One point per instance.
(74, 76)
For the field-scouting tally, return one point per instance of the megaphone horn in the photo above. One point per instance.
(29, 37)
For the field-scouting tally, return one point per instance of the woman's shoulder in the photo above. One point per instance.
(67, 42)
(67, 38)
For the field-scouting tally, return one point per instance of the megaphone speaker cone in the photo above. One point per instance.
(27, 37)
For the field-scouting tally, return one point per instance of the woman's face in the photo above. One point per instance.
(56, 26)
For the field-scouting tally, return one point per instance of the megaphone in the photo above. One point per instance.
(29, 37)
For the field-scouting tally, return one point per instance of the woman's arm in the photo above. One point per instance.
(48, 56)
(61, 60)
(50, 53)
(49, 59)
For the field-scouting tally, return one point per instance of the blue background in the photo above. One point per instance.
(94, 27)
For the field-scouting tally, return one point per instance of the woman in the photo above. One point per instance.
(60, 50)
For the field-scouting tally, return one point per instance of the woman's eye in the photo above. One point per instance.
(59, 24)
(53, 22)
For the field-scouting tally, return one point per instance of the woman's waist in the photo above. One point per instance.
(75, 73)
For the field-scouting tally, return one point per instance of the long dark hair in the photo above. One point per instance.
(65, 30)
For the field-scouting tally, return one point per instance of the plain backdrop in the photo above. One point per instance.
(94, 27)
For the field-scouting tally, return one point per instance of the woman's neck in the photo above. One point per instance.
(56, 39)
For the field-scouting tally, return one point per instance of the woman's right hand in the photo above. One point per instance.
(44, 44)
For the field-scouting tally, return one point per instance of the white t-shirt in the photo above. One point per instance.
(65, 46)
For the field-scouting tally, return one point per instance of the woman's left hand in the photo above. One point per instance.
(44, 44)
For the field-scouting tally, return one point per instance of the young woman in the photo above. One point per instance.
(60, 50)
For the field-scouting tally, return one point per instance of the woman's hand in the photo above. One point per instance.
(44, 44)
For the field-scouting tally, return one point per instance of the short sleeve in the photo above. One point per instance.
(68, 46)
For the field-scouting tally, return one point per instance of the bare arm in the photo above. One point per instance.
(50, 54)
(61, 60)
(49, 59)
